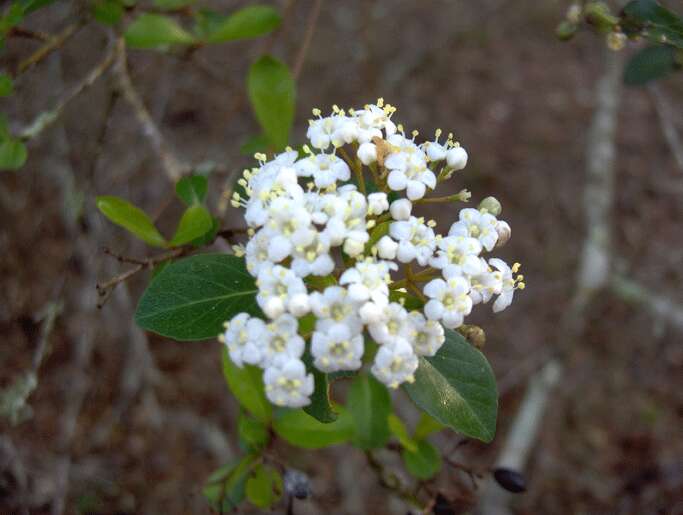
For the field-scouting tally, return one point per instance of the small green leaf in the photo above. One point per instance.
(424, 463)
(6, 85)
(426, 426)
(320, 407)
(300, 429)
(195, 222)
(264, 487)
(369, 404)
(131, 218)
(457, 387)
(399, 430)
(650, 63)
(225, 488)
(272, 94)
(156, 31)
(191, 298)
(13, 154)
(246, 384)
(108, 12)
(250, 22)
(253, 433)
(192, 189)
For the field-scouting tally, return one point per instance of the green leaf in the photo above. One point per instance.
(369, 404)
(264, 487)
(424, 463)
(650, 63)
(661, 24)
(399, 430)
(131, 218)
(208, 237)
(170, 5)
(225, 488)
(192, 297)
(13, 154)
(156, 31)
(426, 426)
(253, 433)
(272, 94)
(457, 387)
(192, 189)
(250, 22)
(195, 222)
(320, 407)
(300, 429)
(246, 384)
(6, 85)
(376, 234)
(12, 17)
(108, 12)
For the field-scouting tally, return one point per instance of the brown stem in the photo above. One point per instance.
(52, 44)
(308, 37)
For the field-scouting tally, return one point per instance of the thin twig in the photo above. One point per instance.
(21, 32)
(659, 306)
(667, 123)
(47, 118)
(172, 165)
(54, 43)
(311, 23)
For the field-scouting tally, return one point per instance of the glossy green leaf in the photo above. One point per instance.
(426, 426)
(246, 384)
(252, 432)
(6, 85)
(424, 463)
(131, 218)
(300, 429)
(192, 189)
(225, 488)
(661, 24)
(264, 487)
(13, 154)
(320, 407)
(109, 12)
(271, 91)
(649, 64)
(191, 298)
(195, 222)
(457, 387)
(399, 430)
(369, 404)
(156, 31)
(250, 22)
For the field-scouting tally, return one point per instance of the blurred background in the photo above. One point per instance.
(125, 422)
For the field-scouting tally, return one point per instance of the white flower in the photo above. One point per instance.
(416, 240)
(371, 120)
(277, 286)
(435, 151)
(326, 169)
(312, 257)
(393, 323)
(367, 153)
(427, 336)
(458, 251)
(354, 245)
(337, 348)
(504, 233)
(243, 337)
(287, 384)
(334, 306)
(395, 363)
(475, 224)
(508, 283)
(281, 339)
(290, 223)
(386, 248)
(400, 209)
(449, 301)
(408, 169)
(323, 131)
(377, 203)
(484, 284)
(368, 280)
(256, 253)
(346, 214)
(456, 157)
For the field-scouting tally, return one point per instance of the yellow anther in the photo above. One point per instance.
(516, 267)
(415, 133)
(380, 102)
(316, 111)
(437, 133)
(335, 108)
(370, 224)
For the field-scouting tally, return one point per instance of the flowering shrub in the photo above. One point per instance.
(323, 249)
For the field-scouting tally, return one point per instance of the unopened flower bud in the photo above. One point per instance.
(299, 305)
(456, 158)
(504, 232)
(473, 334)
(370, 313)
(377, 203)
(274, 307)
(367, 153)
(386, 248)
(491, 205)
(598, 14)
(353, 247)
(566, 30)
(400, 209)
(616, 41)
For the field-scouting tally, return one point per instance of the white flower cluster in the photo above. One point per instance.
(323, 249)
